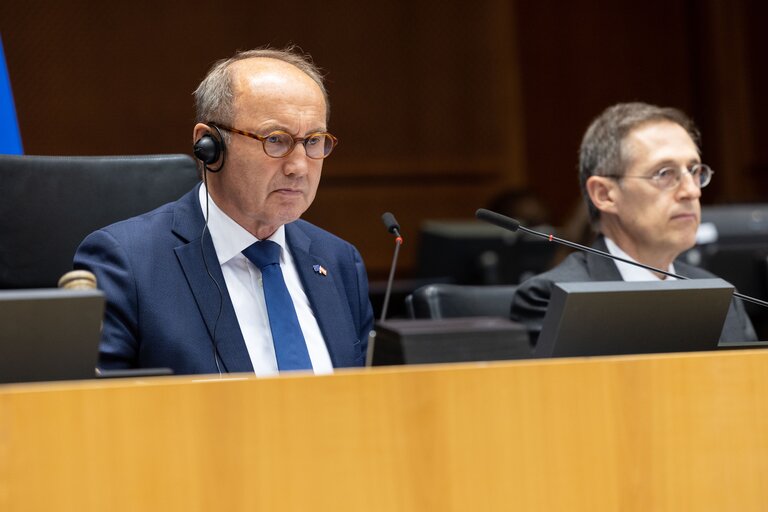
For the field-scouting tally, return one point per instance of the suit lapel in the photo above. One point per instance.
(601, 268)
(331, 311)
(213, 301)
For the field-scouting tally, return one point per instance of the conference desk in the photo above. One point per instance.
(657, 432)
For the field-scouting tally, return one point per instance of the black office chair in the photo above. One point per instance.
(438, 301)
(50, 203)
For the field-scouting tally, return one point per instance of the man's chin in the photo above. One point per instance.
(685, 243)
(288, 215)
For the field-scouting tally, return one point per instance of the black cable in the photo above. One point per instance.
(216, 355)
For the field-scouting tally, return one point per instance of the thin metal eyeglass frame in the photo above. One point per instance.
(655, 177)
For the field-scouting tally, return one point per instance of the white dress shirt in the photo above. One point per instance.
(243, 280)
(631, 272)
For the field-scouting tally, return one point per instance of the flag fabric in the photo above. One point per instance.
(10, 138)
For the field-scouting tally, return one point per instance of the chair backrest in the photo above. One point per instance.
(452, 301)
(50, 203)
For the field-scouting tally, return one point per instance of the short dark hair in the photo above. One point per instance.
(602, 149)
(214, 96)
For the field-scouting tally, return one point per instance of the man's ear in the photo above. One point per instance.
(199, 130)
(603, 192)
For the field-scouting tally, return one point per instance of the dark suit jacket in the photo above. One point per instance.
(529, 304)
(168, 305)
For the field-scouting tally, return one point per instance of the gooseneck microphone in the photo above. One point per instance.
(394, 228)
(512, 225)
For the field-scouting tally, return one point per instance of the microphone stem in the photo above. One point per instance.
(398, 242)
(751, 299)
(574, 245)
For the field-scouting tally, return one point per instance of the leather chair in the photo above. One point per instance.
(50, 203)
(437, 301)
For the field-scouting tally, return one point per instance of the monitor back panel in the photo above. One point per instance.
(618, 317)
(49, 334)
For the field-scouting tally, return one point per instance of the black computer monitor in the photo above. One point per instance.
(732, 243)
(49, 334)
(447, 340)
(471, 252)
(619, 317)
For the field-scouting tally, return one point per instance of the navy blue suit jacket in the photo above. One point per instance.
(168, 305)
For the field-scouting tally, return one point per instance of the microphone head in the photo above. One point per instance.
(389, 221)
(497, 219)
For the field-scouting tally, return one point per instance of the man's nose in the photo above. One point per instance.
(689, 186)
(297, 161)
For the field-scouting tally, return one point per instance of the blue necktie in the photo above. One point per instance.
(290, 347)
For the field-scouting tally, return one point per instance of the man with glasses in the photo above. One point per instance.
(641, 177)
(228, 278)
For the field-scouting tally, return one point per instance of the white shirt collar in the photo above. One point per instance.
(631, 272)
(230, 238)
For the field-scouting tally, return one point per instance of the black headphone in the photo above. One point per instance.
(208, 149)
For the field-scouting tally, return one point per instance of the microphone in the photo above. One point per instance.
(391, 224)
(511, 224)
(394, 228)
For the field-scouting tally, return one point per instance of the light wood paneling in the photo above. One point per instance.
(674, 432)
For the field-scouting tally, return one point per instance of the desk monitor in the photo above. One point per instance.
(618, 317)
(732, 243)
(49, 334)
(472, 252)
(448, 340)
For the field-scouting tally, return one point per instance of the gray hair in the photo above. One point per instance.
(214, 96)
(602, 149)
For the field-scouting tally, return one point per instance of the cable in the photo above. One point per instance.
(216, 355)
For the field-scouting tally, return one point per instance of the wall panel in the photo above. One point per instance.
(439, 105)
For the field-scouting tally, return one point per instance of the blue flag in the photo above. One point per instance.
(10, 138)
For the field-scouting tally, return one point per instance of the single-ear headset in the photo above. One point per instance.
(208, 149)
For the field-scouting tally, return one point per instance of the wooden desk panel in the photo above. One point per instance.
(672, 432)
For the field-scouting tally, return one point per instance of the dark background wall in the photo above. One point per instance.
(439, 105)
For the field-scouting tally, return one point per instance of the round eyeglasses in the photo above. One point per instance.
(278, 143)
(670, 177)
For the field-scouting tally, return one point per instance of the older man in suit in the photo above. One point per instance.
(228, 278)
(641, 176)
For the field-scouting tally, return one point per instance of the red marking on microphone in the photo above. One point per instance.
(399, 240)
(551, 237)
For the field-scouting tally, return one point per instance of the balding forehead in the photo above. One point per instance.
(266, 71)
(273, 76)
